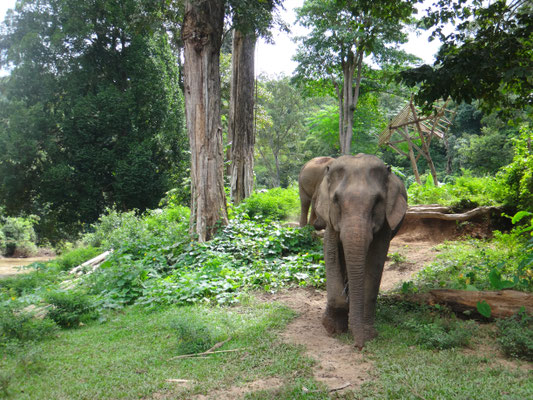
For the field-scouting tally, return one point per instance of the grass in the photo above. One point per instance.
(129, 357)
(407, 370)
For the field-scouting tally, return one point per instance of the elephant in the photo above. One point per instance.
(361, 204)
(308, 181)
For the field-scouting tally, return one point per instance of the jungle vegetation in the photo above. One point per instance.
(96, 153)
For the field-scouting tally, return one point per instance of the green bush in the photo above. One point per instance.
(19, 236)
(76, 257)
(20, 326)
(518, 175)
(277, 204)
(69, 309)
(2, 242)
(476, 264)
(516, 336)
(244, 255)
(467, 191)
(114, 229)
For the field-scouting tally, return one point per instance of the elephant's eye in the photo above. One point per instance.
(336, 197)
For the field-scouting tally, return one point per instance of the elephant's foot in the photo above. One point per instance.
(361, 337)
(335, 320)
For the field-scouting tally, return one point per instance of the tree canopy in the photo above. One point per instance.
(91, 114)
(344, 33)
(488, 57)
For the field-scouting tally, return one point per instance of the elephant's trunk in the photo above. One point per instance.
(356, 241)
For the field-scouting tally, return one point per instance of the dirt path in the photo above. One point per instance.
(338, 363)
(12, 266)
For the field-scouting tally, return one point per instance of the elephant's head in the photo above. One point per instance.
(361, 204)
(360, 192)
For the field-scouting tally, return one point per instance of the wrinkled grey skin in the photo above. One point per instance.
(309, 179)
(361, 204)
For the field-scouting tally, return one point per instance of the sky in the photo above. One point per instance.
(275, 59)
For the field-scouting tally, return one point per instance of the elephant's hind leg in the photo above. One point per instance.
(305, 202)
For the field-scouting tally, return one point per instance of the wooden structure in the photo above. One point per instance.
(417, 131)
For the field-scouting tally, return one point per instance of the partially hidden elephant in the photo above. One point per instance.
(361, 204)
(309, 180)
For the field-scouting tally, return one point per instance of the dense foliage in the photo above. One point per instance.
(91, 112)
(487, 57)
(17, 236)
(154, 261)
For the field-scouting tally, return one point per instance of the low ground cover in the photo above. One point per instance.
(160, 295)
(132, 355)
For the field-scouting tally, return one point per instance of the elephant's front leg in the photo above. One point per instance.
(377, 255)
(335, 318)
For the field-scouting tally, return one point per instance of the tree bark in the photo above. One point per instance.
(202, 36)
(241, 116)
(351, 97)
(436, 213)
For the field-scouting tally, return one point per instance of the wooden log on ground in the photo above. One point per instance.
(503, 303)
(93, 263)
(436, 213)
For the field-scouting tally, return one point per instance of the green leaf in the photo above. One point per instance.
(495, 279)
(520, 215)
(484, 308)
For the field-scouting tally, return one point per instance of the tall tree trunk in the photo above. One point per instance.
(277, 181)
(202, 36)
(241, 116)
(351, 97)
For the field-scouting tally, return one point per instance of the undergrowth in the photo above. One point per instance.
(476, 264)
(516, 336)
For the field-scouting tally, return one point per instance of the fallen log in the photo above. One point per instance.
(503, 303)
(440, 213)
(93, 263)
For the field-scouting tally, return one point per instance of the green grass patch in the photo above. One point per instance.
(476, 264)
(130, 356)
(411, 364)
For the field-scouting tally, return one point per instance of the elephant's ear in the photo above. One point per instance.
(396, 202)
(322, 204)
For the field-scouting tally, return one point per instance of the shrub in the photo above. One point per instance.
(516, 336)
(114, 229)
(466, 192)
(20, 326)
(19, 236)
(277, 204)
(75, 257)
(518, 175)
(2, 243)
(69, 309)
